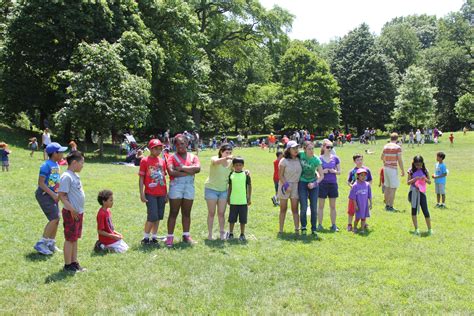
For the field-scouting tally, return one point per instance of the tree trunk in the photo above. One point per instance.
(196, 116)
(101, 145)
(67, 136)
(42, 117)
(88, 138)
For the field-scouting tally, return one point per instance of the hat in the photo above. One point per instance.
(55, 147)
(154, 143)
(291, 144)
(361, 170)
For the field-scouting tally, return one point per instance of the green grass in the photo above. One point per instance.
(386, 271)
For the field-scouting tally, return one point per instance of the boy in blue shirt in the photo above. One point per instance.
(47, 197)
(440, 179)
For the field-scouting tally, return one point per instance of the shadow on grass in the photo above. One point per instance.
(36, 256)
(61, 275)
(215, 243)
(364, 233)
(304, 238)
(146, 248)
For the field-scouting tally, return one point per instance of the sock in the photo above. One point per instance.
(170, 235)
(186, 234)
(146, 235)
(154, 236)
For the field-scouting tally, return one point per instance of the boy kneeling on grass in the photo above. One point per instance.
(108, 237)
(239, 197)
(72, 196)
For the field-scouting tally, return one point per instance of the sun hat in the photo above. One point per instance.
(291, 144)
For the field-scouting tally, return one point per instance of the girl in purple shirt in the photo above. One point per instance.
(418, 177)
(361, 198)
(328, 187)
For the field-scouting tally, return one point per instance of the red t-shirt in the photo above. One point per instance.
(276, 176)
(177, 161)
(153, 171)
(104, 222)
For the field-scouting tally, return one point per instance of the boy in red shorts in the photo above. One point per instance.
(72, 196)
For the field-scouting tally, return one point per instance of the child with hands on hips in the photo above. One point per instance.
(360, 197)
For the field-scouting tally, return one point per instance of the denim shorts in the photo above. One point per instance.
(328, 190)
(155, 207)
(182, 188)
(210, 194)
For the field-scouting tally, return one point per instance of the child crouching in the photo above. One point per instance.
(108, 237)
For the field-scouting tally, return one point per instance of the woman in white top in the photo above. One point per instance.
(45, 141)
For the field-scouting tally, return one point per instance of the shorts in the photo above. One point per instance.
(72, 228)
(119, 246)
(47, 204)
(328, 190)
(5, 163)
(291, 192)
(238, 211)
(182, 188)
(440, 188)
(210, 194)
(155, 207)
(350, 208)
(391, 178)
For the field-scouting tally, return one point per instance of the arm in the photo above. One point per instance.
(410, 179)
(174, 173)
(337, 171)
(427, 178)
(281, 172)
(320, 174)
(45, 188)
(229, 191)
(354, 204)
(67, 205)
(400, 164)
(249, 194)
(115, 235)
(221, 161)
(141, 189)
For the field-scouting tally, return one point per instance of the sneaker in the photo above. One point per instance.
(313, 232)
(392, 209)
(437, 205)
(334, 228)
(349, 228)
(442, 205)
(223, 235)
(430, 232)
(242, 237)
(189, 240)
(303, 230)
(42, 248)
(155, 241)
(52, 247)
(274, 200)
(387, 208)
(320, 227)
(145, 241)
(416, 232)
(69, 268)
(355, 230)
(78, 267)
(169, 241)
(230, 236)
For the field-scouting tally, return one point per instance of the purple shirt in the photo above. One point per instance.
(417, 173)
(352, 178)
(329, 177)
(361, 193)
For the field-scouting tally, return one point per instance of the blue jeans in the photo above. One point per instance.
(304, 194)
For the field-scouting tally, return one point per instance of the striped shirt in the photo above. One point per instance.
(391, 153)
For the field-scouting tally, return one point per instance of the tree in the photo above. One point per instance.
(425, 27)
(102, 94)
(465, 108)
(415, 103)
(309, 90)
(400, 44)
(364, 76)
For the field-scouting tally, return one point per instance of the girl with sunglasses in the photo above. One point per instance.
(328, 187)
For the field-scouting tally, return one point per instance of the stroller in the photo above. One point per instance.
(132, 148)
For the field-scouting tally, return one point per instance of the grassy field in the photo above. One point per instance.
(388, 270)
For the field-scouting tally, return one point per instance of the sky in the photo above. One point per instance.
(327, 19)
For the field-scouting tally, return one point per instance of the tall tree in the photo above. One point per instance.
(309, 90)
(102, 93)
(414, 104)
(465, 108)
(367, 91)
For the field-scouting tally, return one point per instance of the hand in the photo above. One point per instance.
(370, 206)
(117, 236)
(230, 157)
(143, 198)
(75, 215)
(310, 185)
(325, 170)
(403, 173)
(249, 202)
(228, 202)
(56, 198)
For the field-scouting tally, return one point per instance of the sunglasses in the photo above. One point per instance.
(329, 147)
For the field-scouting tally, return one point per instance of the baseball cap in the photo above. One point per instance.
(55, 147)
(361, 170)
(154, 143)
(291, 144)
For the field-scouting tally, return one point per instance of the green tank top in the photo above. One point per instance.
(239, 182)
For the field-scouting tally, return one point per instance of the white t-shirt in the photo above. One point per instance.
(46, 138)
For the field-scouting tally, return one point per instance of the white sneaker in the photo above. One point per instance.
(42, 248)
(52, 247)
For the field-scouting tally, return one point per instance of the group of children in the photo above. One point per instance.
(360, 194)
